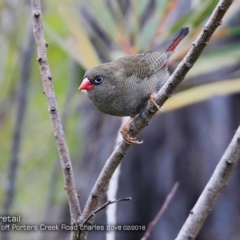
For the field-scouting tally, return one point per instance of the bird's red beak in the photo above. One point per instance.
(86, 85)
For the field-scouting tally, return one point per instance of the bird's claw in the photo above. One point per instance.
(152, 99)
(129, 140)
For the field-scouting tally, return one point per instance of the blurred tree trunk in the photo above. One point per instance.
(21, 107)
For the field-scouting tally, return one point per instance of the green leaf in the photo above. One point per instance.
(100, 12)
(76, 42)
(201, 93)
(147, 33)
(139, 7)
(212, 60)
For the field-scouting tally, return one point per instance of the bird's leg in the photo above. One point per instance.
(125, 132)
(152, 99)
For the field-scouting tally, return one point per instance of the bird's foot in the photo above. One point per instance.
(153, 100)
(125, 133)
(129, 140)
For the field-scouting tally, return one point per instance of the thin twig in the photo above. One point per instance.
(161, 212)
(22, 96)
(109, 202)
(145, 116)
(55, 117)
(211, 192)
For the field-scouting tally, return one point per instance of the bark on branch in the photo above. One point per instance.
(145, 116)
(54, 114)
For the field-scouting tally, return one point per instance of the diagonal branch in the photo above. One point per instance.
(52, 185)
(211, 192)
(55, 117)
(145, 116)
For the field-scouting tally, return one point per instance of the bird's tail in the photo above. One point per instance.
(177, 39)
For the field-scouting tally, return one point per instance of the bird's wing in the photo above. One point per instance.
(156, 60)
(142, 66)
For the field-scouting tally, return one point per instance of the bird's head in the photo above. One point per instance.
(101, 78)
(91, 79)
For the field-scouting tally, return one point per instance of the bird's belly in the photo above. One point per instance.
(127, 102)
(123, 105)
(117, 107)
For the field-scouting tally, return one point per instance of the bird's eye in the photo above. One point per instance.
(98, 79)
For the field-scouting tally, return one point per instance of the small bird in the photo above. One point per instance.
(124, 86)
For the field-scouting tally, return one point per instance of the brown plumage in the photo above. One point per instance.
(128, 82)
(123, 87)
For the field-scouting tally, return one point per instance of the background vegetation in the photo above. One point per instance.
(191, 134)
